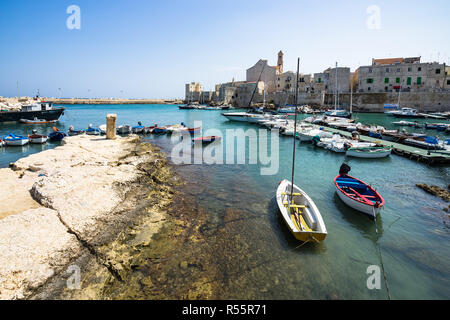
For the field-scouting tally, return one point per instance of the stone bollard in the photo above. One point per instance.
(111, 126)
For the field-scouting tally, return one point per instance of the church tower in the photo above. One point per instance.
(280, 62)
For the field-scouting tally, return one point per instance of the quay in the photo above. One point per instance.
(431, 157)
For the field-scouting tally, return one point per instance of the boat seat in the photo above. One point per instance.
(286, 204)
(288, 194)
(352, 184)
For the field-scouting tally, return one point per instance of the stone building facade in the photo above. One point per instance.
(286, 82)
(406, 74)
(193, 91)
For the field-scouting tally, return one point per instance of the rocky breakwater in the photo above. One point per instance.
(79, 198)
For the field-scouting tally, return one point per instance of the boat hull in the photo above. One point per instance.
(368, 155)
(38, 139)
(48, 115)
(370, 210)
(20, 142)
(311, 215)
(236, 116)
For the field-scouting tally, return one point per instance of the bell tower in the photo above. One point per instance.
(280, 62)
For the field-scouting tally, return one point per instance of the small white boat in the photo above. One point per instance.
(236, 116)
(37, 138)
(36, 121)
(300, 213)
(308, 135)
(102, 129)
(123, 129)
(369, 152)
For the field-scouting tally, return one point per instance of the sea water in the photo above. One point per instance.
(413, 229)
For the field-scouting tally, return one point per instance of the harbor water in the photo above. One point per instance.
(256, 256)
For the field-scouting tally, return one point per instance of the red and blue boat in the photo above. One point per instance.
(358, 195)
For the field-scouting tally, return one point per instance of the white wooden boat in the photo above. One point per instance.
(358, 195)
(37, 138)
(123, 129)
(102, 128)
(300, 213)
(369, 152)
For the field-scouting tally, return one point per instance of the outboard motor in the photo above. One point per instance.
(345, 169)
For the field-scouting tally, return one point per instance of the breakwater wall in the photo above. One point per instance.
(113, 101)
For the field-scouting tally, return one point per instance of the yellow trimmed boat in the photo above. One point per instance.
(300, 213)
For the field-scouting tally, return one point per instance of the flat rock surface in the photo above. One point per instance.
(15, 196)
(75, 188)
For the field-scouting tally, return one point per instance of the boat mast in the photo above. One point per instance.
(351, 96)
(335, 90)
(399, 93)
(295, 129)
(264, 99)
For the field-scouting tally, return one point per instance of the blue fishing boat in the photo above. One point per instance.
(159, 130)
(13, 140)
(138, 129)
(93, 131)
(56, 135)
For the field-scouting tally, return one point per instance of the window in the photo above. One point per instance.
(419, 69)
(419, 80)
(408, 81)
(319, 80)
(448, 82)
(409, 69)
(369, 80)
(397, 80)
(386, 80)
(438, 71)
(370, 70)
(368, 89)
(387, 70)
(398, 69)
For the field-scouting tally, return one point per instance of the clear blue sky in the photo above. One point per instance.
(152, 48)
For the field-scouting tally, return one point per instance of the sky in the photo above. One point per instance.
(151, 49)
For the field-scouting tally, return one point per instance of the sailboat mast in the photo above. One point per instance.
(351, 96)
(295, 128)
(264, 99)
(336, 89)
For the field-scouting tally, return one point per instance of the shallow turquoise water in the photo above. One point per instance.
(413, 228)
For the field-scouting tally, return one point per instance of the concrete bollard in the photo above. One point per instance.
(111, 126)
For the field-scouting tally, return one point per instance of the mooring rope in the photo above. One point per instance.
(380, 256)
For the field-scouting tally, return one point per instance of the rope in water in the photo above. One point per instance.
(380, 256)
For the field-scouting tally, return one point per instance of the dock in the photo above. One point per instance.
(431, 157)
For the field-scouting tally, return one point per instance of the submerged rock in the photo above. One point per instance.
(436, 191)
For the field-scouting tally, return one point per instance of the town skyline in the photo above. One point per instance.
(145, 50)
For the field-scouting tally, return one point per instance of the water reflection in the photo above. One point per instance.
(359, 221)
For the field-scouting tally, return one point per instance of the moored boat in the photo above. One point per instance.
(208, 139)
(369, 152)
(358, 195)
(300, 213)
(36, 121)
(93, 131)
(56, 135)
(123, 129)
(13, 140)
(102, 129)
(138, 129)
(37, 138)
